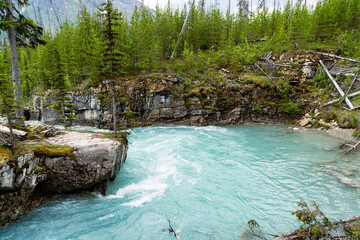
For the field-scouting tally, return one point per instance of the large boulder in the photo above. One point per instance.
(70, 162)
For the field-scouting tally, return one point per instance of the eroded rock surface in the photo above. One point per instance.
(30, 179)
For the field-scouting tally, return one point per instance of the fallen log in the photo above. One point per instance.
(293, 234)
(347, 143)
(335, 56)
(268, 77)
(348, 102)
(337, 100)
(350, 149)
(18, 133)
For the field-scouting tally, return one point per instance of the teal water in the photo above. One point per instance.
(209, 181)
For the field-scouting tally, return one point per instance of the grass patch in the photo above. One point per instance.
(121, 136)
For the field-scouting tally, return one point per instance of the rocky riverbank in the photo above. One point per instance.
(69, 162)
(224, 98)
(160, 99)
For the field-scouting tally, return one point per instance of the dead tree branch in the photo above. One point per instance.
(335, 56)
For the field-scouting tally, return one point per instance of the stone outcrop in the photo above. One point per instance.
(163, 100)
(30, 179)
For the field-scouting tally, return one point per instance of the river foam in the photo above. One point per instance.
(208, 181)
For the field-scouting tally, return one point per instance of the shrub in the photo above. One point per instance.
(292, 108)
(256, 109)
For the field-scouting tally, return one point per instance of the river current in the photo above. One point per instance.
(208, 181)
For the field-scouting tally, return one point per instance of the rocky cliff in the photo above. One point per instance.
(163, 99)
(88, 162)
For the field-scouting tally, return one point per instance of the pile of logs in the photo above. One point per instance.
(344, 95)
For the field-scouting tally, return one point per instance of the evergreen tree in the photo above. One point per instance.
(61, 88)
(112, 57)
(22, 31)
(7, 96)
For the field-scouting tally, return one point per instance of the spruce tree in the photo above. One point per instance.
(7, 97)
(112, 57)
(22, 31)
(61, 88)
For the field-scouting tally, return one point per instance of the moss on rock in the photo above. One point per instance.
(51, 150)
(5, 154)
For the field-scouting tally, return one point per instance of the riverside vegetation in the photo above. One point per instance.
(98, 48)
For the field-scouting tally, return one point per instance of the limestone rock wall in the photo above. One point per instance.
(163, 100)
(29, 180)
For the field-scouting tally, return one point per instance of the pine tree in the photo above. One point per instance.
(7, 102)
(22, 31)
(112, 57)
(61, 87)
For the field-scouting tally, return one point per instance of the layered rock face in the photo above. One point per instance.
(30, 179)
(159, 100)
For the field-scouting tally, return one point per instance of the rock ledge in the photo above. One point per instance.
(28, 180)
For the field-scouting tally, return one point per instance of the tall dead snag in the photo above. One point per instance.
(183, 29)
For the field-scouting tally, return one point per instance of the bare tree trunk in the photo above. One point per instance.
(112, 81)
(63, 112)
(114, 106)
(183, 29)
(66, 10)
(40, 18)
(48, 15)
(19, 112)
(57, 17)
(36, 17)
(9, 122)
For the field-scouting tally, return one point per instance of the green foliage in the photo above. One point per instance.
(353, 231)
(122, 136)
(129, 114)
(61, 88)
(292, 108)
(347, 119)
(104, 44)
(38, 170)
(256, 109)
(312, 218)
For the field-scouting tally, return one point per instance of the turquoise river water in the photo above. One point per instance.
(209, 181)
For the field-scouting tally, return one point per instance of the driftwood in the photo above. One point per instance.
(347, 143)
(349, 96)
(268, 77)
(350, 149)
(170, 229)
(293, 234)
(348, 102)
(267, 57)
(337, 100)
(18, 133)
(352, 83)
(335, 56)
(225, 70)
